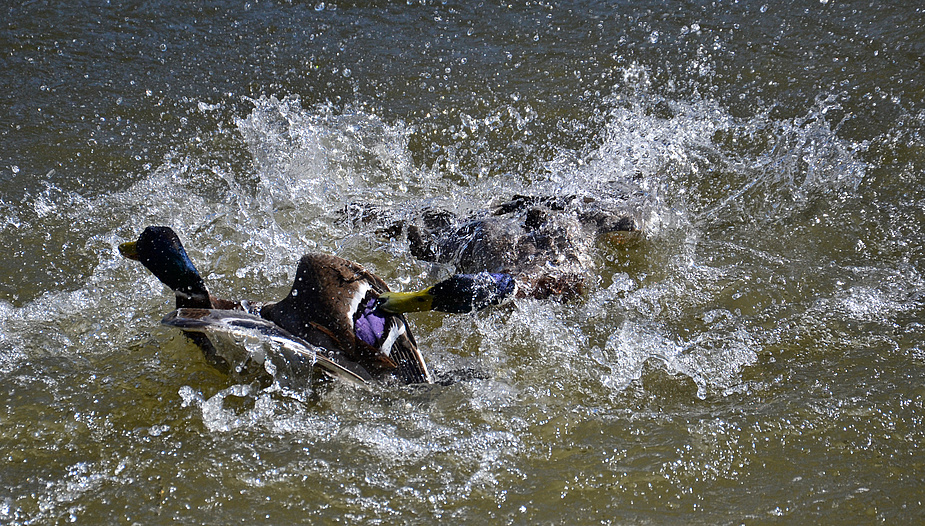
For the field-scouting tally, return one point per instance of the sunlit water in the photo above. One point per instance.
(757, 356)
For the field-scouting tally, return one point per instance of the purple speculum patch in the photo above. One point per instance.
(370, 325)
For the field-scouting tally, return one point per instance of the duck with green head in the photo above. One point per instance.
(457, 294)
(334, 304)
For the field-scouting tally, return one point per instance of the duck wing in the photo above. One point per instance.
(389, 337)
(337, 297)
(293, 357)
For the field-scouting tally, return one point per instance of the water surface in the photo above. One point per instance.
(757, 357)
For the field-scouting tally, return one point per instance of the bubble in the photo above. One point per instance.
(158, 430)
(204, 107)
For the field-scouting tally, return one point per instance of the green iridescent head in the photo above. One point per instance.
(159, 249)
(457, 294)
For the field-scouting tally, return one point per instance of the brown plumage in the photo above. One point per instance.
(331, 306)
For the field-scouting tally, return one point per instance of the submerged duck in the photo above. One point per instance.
(545, 243)
(334, 317)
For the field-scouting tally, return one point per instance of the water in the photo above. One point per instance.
(757, 358)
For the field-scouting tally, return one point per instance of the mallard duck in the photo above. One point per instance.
(335, 306)
(332, 306)
(545, 243)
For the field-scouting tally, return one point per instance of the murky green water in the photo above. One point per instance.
(757, 358)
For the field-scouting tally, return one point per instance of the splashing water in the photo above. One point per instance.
(247, 230)
(697, 302)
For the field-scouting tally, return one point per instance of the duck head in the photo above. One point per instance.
(159, 249)
(457, 294)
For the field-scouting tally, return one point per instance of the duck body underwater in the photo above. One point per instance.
(545, 243)
(335, 318)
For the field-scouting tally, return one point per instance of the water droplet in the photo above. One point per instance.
(319, 6)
